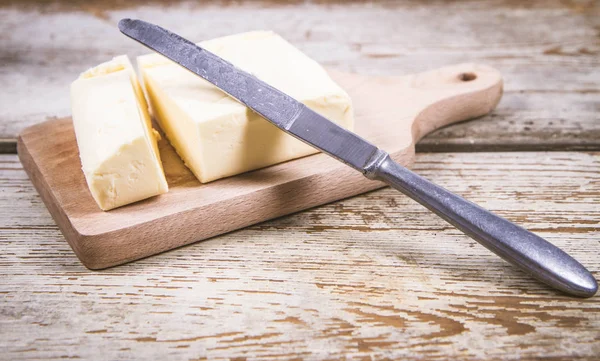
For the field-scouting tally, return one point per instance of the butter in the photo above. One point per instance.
(218, 137)
(117, 145)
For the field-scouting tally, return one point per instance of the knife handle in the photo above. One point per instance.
(514, 244)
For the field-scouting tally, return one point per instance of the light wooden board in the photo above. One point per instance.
(392, 112)
(371, 277)
(548, 52)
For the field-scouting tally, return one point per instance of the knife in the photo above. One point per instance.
(513, 243)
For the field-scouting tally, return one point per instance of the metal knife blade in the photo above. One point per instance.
(516, 245)
(279, 108)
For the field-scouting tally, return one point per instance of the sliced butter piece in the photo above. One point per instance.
(214, 134)
(117, 145)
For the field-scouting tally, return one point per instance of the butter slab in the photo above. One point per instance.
(218, 137)
(117, 145)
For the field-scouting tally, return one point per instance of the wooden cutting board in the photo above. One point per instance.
(392, 112)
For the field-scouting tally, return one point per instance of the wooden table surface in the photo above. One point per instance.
(371, 277)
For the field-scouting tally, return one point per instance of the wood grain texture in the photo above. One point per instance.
(549, 52)
(191, 211)
(371, 277)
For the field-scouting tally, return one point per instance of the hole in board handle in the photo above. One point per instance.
(467, 76)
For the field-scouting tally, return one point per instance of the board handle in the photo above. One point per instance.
(522, 248)
(454, 93)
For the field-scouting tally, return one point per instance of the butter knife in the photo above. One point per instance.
(513, 243)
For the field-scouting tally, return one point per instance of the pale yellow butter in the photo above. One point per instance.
(117, 145)
(214, 134)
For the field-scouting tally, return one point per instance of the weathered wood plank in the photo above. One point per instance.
(547, 50)
(371, 276)
(536, 121)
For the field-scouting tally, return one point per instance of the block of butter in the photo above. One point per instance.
(117, 145)
(214, 134)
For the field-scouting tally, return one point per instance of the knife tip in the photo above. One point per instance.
(124, 24)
